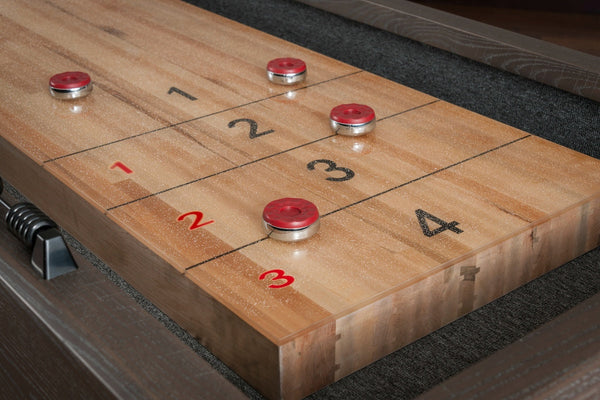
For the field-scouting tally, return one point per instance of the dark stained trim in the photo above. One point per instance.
(561, 359)
(554, 65)
(81, 336)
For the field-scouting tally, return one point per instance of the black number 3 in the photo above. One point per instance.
(332, 166)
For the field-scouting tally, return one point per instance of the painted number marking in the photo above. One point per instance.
(279, 274)
(182, 93)
(423, 216)
(197, 223)
(122, 167)
(253, 127)
(331, 167)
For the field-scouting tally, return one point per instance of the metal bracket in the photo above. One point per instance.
(50, 255)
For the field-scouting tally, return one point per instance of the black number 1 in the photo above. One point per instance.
(181, 92)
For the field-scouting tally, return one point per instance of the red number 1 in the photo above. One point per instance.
(197, 219)
(122, 167)
(279, 274)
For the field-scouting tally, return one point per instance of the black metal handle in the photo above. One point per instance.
(50, 255)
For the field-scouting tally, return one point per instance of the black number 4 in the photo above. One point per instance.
(423, 216)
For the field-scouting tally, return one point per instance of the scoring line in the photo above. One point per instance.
(257, 160)
(427, 175)
(199, 118)
(372, 196)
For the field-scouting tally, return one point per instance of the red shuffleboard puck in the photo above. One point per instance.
(291, 219)
(286, 71)
(352, 119)
(70, 85)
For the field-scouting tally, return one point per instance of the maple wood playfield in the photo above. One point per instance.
(164, 166)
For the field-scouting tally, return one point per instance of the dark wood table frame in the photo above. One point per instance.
(548, 63)
(80, 336)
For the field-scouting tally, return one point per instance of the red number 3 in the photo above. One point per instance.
(279, 274)
(197, 219)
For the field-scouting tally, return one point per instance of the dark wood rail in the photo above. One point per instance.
(540, 60)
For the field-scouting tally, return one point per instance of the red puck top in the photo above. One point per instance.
(290, 213)
(70, 80)
(352, 114)
(286, 66)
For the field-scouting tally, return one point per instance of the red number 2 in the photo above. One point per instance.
(197, 219)
(279, 274)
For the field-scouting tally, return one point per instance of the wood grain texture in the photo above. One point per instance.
(542, 61)
(80, 337)
(373, 279)
(576, 28)
(24, 374)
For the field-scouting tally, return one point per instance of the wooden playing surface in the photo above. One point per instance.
(165, 168)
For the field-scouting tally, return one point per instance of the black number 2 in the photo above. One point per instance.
(332, 166)
(253, 127)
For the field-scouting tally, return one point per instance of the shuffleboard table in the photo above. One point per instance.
(165, 167)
